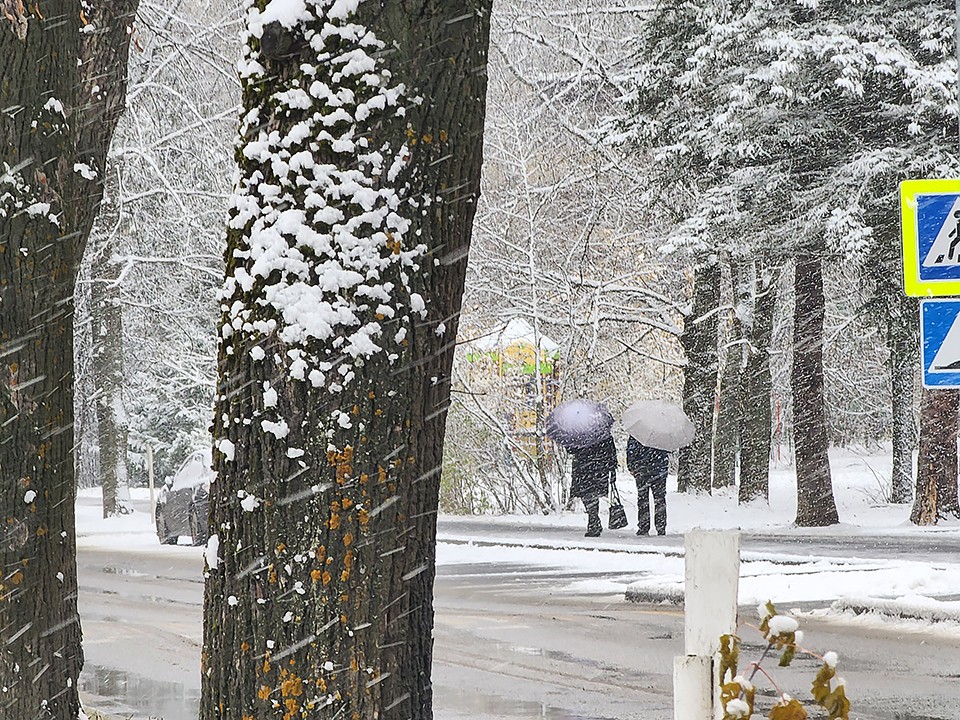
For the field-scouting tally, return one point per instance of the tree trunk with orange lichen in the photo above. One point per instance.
(346, 252)
(52, 147)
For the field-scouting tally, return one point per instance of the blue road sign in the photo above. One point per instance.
(940, 343)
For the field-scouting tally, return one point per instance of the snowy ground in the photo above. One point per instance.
(619, 560)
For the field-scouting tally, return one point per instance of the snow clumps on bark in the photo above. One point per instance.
(325, 254)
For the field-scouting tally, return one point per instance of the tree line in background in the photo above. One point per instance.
(690, 202)
(751, 155)
(632, 211)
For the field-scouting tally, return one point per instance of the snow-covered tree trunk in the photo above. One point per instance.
(359, 164)
(699, 341)
(757, 389)
(815, 502)
(937, 461)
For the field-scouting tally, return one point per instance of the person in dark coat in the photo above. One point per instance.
(594, 470)
(649, 468)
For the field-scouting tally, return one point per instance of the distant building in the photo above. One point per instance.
(510, 354)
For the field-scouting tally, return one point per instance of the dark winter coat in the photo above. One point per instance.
(646, 462)
(594, 469)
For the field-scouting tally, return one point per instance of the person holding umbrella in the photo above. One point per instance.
(656, 429)
(594, 471)
(583, 427)
(649, 466)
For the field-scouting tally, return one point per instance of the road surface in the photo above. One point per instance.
(509, 642)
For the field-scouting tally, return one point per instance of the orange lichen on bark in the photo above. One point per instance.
(290, 685)
(327, 577)
(347, 539)
(334, 522)
(343, 462)
(264, 692)
(315, 575)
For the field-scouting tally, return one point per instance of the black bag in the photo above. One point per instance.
(618, 516)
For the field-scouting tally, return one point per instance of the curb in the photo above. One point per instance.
(654, 596)
(896, 609)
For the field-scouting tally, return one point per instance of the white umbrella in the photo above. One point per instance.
(659, 424)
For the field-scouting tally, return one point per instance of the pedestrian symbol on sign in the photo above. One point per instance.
(945, 250)
(947, 358)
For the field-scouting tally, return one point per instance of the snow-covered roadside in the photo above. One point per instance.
(618, 560)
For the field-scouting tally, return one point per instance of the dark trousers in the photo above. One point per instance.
(591, 504)
(657, 486)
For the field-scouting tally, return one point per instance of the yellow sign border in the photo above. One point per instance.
(913, 286)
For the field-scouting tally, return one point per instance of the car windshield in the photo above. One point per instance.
(194, 471)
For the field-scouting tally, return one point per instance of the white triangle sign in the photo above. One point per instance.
(947, 358)
(945, 250)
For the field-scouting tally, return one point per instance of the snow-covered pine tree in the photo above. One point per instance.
(802, 116)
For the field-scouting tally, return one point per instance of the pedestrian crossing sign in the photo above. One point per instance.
(930, 222)
(940, 343)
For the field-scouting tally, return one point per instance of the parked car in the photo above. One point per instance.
(184, 499)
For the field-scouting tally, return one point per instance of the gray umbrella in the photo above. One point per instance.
(579, 424)
(659, 424)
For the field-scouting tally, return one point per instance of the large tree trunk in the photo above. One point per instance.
(815, 502)
(47, 204)
(903, 343)
(757, 390)
(937, 462)
(346, 257)
(699, 341)
(39, 627)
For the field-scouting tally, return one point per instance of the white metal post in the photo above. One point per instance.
(711, 581)
(153, 514)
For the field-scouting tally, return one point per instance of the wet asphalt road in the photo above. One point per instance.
(508, 645)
